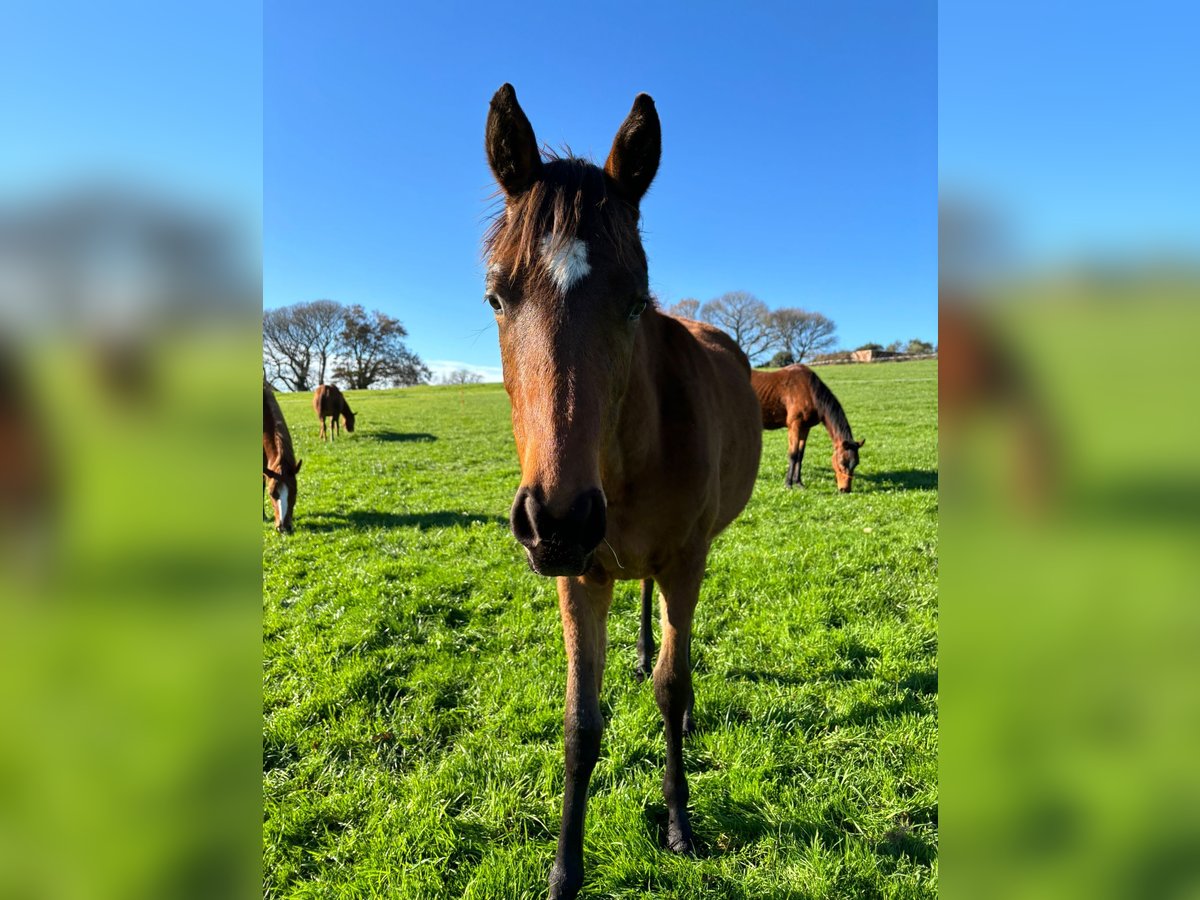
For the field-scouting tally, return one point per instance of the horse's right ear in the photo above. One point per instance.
(299, 463)
(862, 443)
(511, 147)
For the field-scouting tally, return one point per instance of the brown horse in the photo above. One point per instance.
(795, 397)
(329, 401)
(280, 466)
(637, 433)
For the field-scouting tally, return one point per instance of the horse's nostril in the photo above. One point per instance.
(581, 525)
(521, 519)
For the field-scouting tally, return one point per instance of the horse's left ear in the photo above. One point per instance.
(633, 160)
(299, 463)
(862, 443)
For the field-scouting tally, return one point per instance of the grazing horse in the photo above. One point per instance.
(794, 396)
(637, 433)
(329, 401)
(280, 466)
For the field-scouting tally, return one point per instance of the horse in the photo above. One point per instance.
(637, 433)
(280, 466)
(795, 397)
(329, 401)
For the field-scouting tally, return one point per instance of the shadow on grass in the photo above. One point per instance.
(363, 519)
(399, 437)
(902, 479)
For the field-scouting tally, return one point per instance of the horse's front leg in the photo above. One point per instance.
(584, 608)
(673, 689)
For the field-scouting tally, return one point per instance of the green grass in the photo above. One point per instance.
(414, 672)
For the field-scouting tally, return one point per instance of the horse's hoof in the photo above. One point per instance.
(689, 725)
(679, 840)
(565, 882)
(641, 672)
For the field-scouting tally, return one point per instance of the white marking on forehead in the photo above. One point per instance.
(567, 262)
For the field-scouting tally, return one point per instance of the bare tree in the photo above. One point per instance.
(371, 350)
(287, 355)
(462, 376)
(800, 333)
(321, 322)
(687, 308)
(744, 317)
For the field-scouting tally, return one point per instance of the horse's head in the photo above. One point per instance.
(568, 282)
(845, 461)
(281, 485)
(348, 419)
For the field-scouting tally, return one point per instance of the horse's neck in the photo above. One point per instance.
(836, 434)
(639, 425)
(281, 448)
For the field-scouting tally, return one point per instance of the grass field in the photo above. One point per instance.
(414, 672)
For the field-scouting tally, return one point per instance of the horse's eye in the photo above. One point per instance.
(639, 307)
(494, 302)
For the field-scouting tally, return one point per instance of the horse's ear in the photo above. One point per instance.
(299, 463)
(633, 160)
(862, 443)
(511, 147)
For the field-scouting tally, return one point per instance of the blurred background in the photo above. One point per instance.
(1069, 279)
(130, 555)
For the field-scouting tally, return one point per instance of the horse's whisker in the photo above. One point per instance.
(614, 553)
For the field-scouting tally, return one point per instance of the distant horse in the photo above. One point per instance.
(637, 433)
(280, 466)
(329, 401)
(29, 480)
(795, 397)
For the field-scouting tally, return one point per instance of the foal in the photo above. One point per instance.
(329, 401)
(794, 396)
(638, 434)
(280, 466)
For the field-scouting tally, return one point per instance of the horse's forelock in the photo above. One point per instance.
(570, 198)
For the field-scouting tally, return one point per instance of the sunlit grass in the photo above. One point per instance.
(414, 672)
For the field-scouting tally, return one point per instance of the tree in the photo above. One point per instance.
(893, 347)
(297, 336)
(462, 376)
(371, 350)
(871, 346)
(800, 333)
(687, 308)
(744, 317)
(320, 322)
(918, 347)
(781, 359)
(287, 354)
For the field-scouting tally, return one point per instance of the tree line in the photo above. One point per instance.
(791, 334)
(322, 341)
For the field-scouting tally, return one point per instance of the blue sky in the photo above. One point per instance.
(799, 152)
(1074, 126)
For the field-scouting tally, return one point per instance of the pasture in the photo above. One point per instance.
(414, 671)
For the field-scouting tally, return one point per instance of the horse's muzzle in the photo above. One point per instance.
(559, 545)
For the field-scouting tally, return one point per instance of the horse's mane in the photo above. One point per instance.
(570, 195)
(828, 407)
